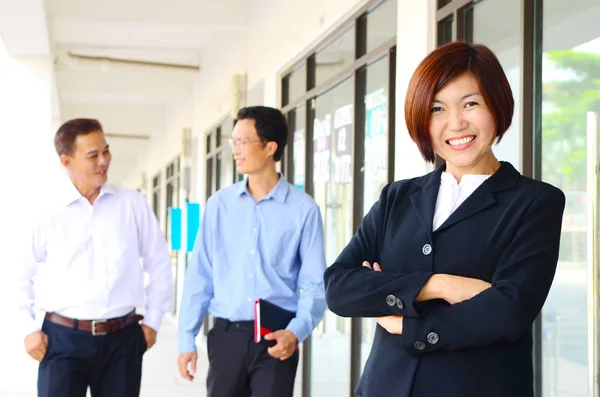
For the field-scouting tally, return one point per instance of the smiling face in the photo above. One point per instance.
(462, 127)
(251, 154)
(88, 164)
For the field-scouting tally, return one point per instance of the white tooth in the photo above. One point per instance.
(461, 141)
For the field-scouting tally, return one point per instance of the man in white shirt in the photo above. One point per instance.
(85, 257)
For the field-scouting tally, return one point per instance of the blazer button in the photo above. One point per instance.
(390, 300)
(420, 345)
(433, 338)
(427, 249)
(399, 304)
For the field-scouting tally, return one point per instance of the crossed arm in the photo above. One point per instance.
(479, 313)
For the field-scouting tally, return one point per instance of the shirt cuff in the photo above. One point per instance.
(152, 319)
(298, 328)
(28, 325)
(187, 342)
(29, 328)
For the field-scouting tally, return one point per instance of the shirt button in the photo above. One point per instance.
(433, 338)
(427, 249)
(254, 230)
(420, 345)
(390, 300)
(249, 299)
(251, 275)
(251, 252)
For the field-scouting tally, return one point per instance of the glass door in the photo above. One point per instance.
(571, 89)
(333, 137)
(593, 244)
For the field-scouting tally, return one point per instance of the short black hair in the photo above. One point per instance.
(64, 140)
(271, 125)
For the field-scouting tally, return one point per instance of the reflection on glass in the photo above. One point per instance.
(441, 3)
(382, 24)
(226, 168)
(571, 88)
(333, 135)
(225, 158)
(299, 147)
(296, 83)
(502, 35)
(298, 128)
(336, 55)
(444, 31)
(375, 169)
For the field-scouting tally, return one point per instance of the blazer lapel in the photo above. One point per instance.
(480, 199)
(424, 200)
(483, 197)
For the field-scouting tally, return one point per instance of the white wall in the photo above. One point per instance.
(416, 38)
(29, 164)
(29, 170)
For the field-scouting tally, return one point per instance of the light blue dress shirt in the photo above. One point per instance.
(247, 250)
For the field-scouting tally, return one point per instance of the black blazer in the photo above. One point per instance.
(507, 233)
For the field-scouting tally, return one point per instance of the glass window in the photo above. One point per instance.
(375, 168)
(225, 157)
(442, 3)
(502, 35)
(382, 24)
(336, 55)
(156, 194)
(333, 137)
(210, 179)
(296, 84)
(298, 128)
(444, 31)
(571, 88)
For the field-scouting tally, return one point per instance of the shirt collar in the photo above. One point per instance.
(73, 194)
(278, 193)
(467, 179)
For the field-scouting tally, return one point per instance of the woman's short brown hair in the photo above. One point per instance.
(444, 65)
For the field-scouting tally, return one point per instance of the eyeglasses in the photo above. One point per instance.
(241, 143)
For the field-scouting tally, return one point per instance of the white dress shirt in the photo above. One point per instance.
(452, 194)
(84, 261)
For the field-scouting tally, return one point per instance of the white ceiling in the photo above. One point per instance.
(23, 27)
(126, 61)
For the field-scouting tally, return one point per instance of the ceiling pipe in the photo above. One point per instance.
(134, 62)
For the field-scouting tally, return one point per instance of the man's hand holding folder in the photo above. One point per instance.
(270, 322)
(286, 344)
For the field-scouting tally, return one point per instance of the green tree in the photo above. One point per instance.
(566, 102)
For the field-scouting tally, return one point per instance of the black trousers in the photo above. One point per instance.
(239, 367)
(110, 365)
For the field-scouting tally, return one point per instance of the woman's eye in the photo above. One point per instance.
(471, 104)
(436, 109)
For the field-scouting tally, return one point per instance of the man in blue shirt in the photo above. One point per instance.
(260, 238)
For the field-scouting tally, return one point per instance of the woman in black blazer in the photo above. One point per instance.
(454, 265)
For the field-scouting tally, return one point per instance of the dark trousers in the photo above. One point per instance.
(110, 365)
(239, 367)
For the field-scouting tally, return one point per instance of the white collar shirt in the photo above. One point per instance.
(88, 261)
(452, 194)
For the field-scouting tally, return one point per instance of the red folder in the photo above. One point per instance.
(269, 317)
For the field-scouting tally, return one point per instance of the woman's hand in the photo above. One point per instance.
(375, 267)
(392, 324)
(457, 289)
(452, 289)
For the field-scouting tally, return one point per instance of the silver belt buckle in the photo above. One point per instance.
(94, 322)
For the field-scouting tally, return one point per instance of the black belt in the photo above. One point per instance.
(225, 324)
